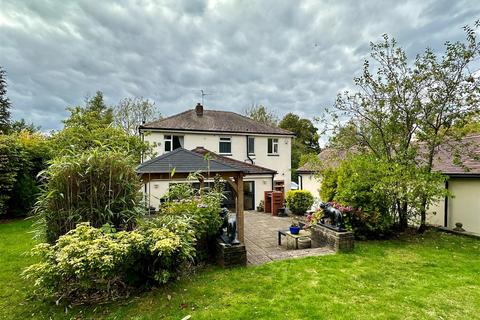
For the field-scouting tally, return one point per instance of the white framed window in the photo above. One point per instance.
(172, 142)
(251, 146)
(272, 148)
(225, 145)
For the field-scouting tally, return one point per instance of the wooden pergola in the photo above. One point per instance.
(183, 162)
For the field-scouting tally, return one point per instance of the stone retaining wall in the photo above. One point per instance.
(335, 240)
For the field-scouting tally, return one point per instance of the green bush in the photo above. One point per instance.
(328, 186)
(89, 264)
(357, 184)
(204, 208)
(22, 156)
(299, 201)
(99, 186)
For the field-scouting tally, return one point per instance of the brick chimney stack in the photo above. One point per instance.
(199, 110)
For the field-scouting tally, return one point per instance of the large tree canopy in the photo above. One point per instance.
(400, 104)
(91, 126)
(130, 113)
(305, 142)
(262, 114)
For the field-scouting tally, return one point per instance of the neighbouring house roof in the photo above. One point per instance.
(186, 161)
(330, 157)
(469, 151)
(244, 166)
(214, 121)
(444, 161)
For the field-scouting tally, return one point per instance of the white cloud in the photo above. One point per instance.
(287, 55)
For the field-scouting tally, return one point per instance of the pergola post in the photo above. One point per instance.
(239, 208)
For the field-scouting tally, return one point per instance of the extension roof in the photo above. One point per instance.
(244, 166)
(214, 121)
(185, 161)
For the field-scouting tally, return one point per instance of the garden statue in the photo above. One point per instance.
(228, 230)
(334, 215)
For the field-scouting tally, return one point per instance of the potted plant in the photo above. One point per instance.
(299, 201)
(261, 206)
(295, 227)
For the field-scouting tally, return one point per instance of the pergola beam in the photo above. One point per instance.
(239, 208)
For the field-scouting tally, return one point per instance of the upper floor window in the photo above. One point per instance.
(251, 146)
(225, 145)
(172, 142)
(272, 146)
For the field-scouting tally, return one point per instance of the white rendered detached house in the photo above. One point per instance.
(228, 135)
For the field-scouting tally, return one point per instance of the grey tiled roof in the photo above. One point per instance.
(444, 161)
(245, 167)
(184, 161)
(214, 121)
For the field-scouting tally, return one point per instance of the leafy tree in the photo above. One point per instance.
(262, 114)
(305, 142)
(130, 113)
(470, 125)
(306, 133)
(92, 126)
(4, 103)
(22, 125)
(449, 97)
(94, 114)
(399, 102)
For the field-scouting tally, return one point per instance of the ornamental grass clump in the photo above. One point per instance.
(99, 186)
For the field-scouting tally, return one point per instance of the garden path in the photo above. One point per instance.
(261, 239)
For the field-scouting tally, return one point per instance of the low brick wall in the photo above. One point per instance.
(335, 240)
(230, 256)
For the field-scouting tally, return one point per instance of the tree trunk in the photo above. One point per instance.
(402, 215)
(423, 216)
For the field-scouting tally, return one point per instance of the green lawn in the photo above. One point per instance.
(436, 276)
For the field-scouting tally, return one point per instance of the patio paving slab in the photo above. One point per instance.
(261, 239)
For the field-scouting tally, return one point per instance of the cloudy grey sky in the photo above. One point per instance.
(288, 55)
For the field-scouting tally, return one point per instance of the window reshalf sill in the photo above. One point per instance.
(225, 154)
(273, 154)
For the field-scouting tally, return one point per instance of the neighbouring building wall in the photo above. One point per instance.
(280, 163)
(310, 183)
(463, 207)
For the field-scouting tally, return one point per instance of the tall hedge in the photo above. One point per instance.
(22, 156)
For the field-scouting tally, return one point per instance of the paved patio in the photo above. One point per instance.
(261, 239)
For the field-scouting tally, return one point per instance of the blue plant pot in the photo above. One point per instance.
(294, 230)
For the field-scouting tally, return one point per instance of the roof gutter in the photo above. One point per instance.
(218, 131)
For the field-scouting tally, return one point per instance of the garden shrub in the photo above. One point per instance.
(99, 186)
(358, 191)
(328, 186)
(204, 208)
(89, 264)
(299, 201)
(22, 156)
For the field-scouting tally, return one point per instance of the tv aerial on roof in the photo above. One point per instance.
(203, 93)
